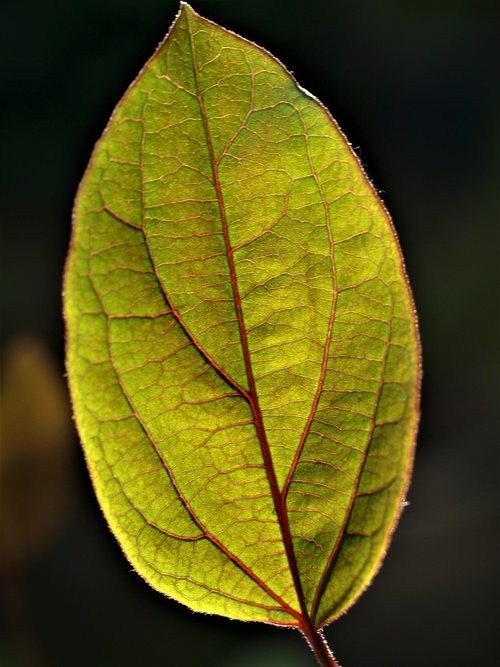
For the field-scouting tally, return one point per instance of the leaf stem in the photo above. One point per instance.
(318, 645)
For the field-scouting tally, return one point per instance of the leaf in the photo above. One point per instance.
(242, 345)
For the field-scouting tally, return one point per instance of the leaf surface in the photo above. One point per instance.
(242, 346)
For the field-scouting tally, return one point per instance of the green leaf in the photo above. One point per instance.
(242, 345)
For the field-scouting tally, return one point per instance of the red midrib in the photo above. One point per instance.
(278, 498)
(144, 427)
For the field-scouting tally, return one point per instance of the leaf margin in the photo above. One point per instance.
(185, 7)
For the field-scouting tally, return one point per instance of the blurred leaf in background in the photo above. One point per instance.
(35, 471)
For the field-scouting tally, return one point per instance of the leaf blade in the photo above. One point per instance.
(219, 190)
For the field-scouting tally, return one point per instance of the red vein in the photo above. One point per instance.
(244, 121)
(253, 400)
(331, 559)
(285, 606)
(164, 291)
(324, 362)
(354, 581)
(205, 533)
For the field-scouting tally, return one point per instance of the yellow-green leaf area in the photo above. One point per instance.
(242, 347)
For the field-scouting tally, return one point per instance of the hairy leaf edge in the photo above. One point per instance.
(407, 472)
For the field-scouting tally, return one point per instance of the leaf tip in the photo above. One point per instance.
(187, 13)
(185, 8)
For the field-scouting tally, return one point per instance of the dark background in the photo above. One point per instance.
(413, 85)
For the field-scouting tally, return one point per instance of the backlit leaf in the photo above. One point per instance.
(242, 346)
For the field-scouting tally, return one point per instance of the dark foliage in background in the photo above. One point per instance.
(413, 85)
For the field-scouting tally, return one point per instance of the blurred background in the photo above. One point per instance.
(414, 86)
